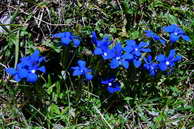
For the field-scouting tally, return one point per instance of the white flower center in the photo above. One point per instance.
(167, 62)
(33, 71)
(109, 84)
(136, 49)
(118, 58)
(105, 54)
(175, 33)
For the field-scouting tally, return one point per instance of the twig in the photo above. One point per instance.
(103, 117)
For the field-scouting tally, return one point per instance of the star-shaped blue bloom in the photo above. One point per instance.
(150, 66)
(119, 58)
(81, 69)
(27, 68)
(151, 34)
(166, 63)
(175, 33)
(67, 38)
(102, 47)
(136, 50)
(112, 85)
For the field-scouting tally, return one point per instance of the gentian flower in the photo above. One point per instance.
(151, 34)
(166, 63)
(67, 38)
(150, 66)
(102, 47)
(136, 50)
(112, 85)
(27, 68)
(175, 33)
(119, 58)
(98, 42)
(82, 70)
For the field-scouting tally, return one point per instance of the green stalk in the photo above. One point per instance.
(16, 49)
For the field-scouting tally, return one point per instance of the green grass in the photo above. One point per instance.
(60, 101)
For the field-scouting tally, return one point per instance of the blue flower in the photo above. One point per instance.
(119, 58)
(102, 47)
(67, 38)
(27, 68)
(112, 85)
(136, 51)
(150, 66)
(151, 34)
(104, 51)
(82, 70)
(97, 42)
(166, 63)
(175, 33)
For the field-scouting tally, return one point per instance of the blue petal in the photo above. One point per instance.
(127, 56)
(33, 58)
(94, 37)
(42, 69)
(58, 35)
(41, 59)
(67, 34)
(137, 63)
(160, 58)
(110, 80)
(177, 58)
(23, 73)
(105, 82)
(163, 42)
(36, 53)
(89, 76)
(137, 53)
(75, 68)
(152, 73)
(163, 67)
(77, 73)
(143, 44)
(125, 64)
(172, 53)
(11, 71)
(118, 48)
(173, 37)
(98, 51)
(20, 66)
(186, 38)
(65, 41)
(156, 37)
(148, 33)
(32, 78)
(76, 42)
(81, 63)
(114, 64)
(149, 58)
(131, 43)
(114, 88)
(86, 70)
(146, 50)
(17, 78)
(170, 28)
(146, 66)
(128, 49)
(172, 64)
(24, 59)
(110, 54)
